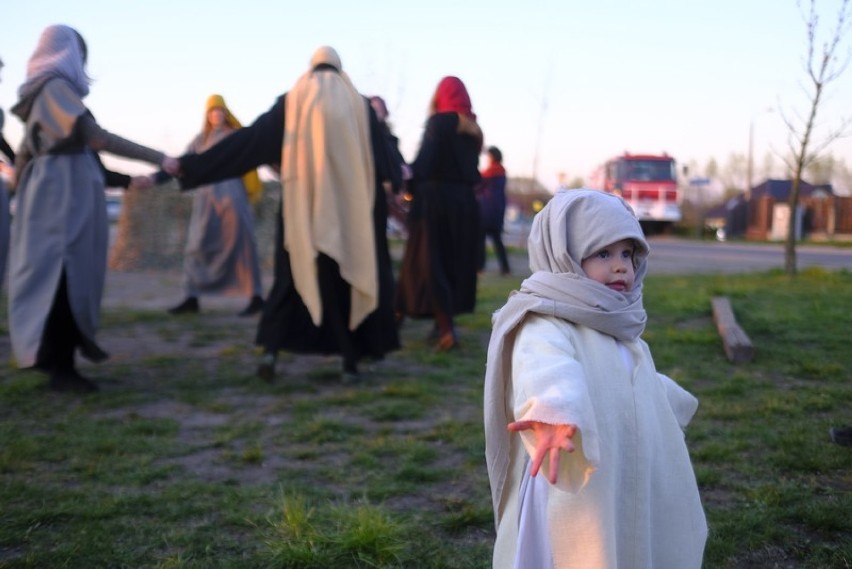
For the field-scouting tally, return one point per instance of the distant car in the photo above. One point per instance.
(114, 202)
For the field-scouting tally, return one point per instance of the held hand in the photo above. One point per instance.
(171, 166)
(549, 439)
(8, 171)
(140, 183)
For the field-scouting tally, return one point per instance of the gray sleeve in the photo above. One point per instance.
(100, 140)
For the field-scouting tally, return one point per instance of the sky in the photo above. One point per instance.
(559, 86)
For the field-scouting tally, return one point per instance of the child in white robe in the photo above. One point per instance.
(571, 391)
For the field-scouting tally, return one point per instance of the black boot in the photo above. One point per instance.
(188, 306)
(266, 367)
(255, 305)
(69, 380)
(841, 436)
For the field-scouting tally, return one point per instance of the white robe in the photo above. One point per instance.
(627, 497)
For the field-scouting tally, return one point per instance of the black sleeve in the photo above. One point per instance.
(6, 149)
(243, 150)
(424, 165)
(388, 161)
(113, 179)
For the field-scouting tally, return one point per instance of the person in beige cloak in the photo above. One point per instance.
(57, 261)
(585, 446)
(221, 248)
(333, 283)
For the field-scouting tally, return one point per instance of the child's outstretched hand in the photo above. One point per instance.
(549, 439)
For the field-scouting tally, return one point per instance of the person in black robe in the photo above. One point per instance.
(439, 267)
(286, 323)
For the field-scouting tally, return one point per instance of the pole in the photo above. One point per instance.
(750, 165)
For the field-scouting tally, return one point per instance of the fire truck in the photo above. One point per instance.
(648, 182)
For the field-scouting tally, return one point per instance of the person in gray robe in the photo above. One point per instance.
(59, 240)
(221, 250)
(4, 200)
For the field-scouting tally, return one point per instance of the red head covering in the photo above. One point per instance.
(451, 97)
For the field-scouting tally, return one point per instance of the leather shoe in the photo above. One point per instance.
(70, 381)
(188, 306)
(841, 436)
(255, 305)
(448, 341)
(266, 367)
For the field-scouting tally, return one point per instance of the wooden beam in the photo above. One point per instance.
(738, 347)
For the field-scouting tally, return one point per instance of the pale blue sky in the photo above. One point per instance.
(558, 85)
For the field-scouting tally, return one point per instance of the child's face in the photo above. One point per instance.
(612, 266)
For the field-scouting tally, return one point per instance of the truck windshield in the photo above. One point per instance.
(649, 170)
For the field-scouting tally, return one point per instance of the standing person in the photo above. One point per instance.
(438, 275)
(4, 198)
(598, 474)
(221, 250)
(399, 171)
(60, 236)
(333, 287)
(491, 196)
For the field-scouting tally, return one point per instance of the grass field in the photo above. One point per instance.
(185, 460)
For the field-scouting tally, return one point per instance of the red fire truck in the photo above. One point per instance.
(648, 182)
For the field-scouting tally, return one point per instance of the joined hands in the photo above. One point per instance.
(171, 166)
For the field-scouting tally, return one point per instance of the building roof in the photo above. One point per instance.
(780, 189)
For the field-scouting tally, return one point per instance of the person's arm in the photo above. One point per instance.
(100, 140)
(245, 149)
(551, 402)
(424, 165)
(683, 403)
(388, 161)
(114, 179)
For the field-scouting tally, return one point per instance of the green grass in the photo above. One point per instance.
(186, 460)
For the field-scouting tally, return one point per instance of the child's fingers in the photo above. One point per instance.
(537, 460)
(518, 426)
(554, 465)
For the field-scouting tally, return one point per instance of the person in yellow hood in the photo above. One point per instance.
(221, 250)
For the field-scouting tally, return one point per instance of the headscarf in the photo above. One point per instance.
(451, 97)
(328, 183)
(59, 53)
(251, 180)
(572, 226)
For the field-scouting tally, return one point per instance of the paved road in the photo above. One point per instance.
(671, 255)
(161, 289)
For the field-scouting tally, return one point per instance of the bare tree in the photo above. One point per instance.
(733, 173)
(823, 66)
